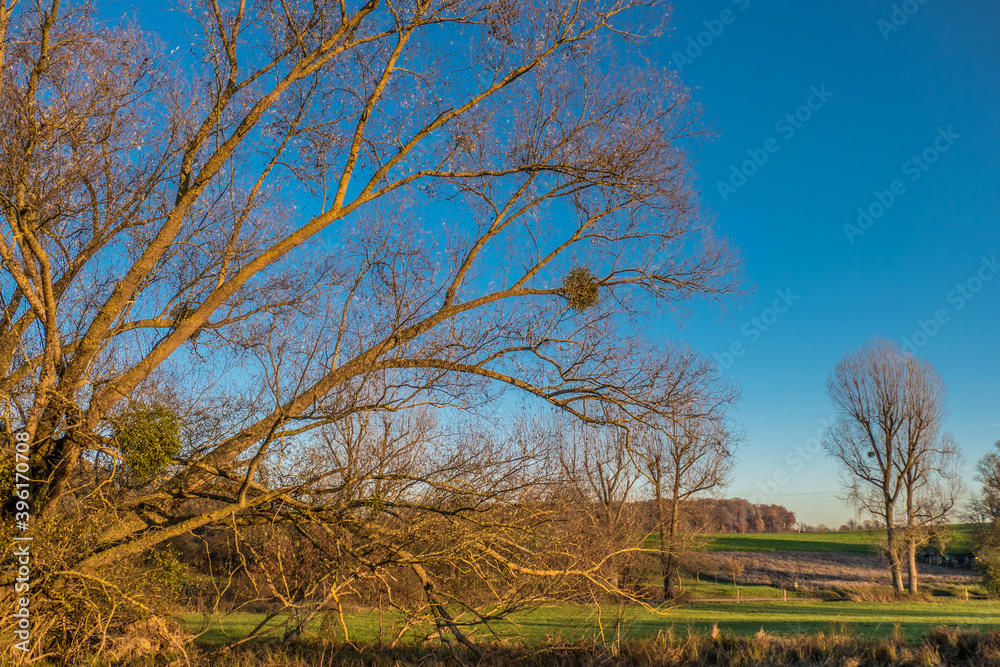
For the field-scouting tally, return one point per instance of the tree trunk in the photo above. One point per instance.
(895, 566)
(661, 524)
(664, 551)
(671, 578)
(668, 591)
(911, 556)
(911, 539)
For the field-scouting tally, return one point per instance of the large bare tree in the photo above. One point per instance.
(323, 210)
(898, 465)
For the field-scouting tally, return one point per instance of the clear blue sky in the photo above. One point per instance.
(924, 79)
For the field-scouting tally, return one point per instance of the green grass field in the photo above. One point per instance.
(570, 622)
(848, 541)
(723, 588)
(799, 615)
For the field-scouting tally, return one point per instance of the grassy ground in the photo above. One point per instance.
(570, 622)
(709, 588)
(848, 541)
(797, 616)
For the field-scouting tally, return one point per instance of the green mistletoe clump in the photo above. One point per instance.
(581, 289)
(148, 438)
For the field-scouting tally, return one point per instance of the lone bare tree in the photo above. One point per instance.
(322, 210)
(933, 488)
(897, 464)
(985, 507)
(687, 452)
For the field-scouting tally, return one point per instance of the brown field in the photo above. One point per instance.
(830, 570)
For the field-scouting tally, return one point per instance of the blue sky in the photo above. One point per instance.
(870, 85)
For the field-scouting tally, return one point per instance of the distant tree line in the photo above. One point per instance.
(730, 515)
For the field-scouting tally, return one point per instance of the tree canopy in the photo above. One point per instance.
(313, 227)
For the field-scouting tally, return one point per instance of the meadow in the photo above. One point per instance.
(573, 623)
(779, 620)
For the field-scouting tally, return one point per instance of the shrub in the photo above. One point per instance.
(81, 617)
(733, 567)
(165, 571)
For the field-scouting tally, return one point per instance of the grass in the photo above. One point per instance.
(799, 616)
(366, 626)
(850, 541)
(709, 588)
(863, 619)
(839, 645)
(575, 623)
(847, 541)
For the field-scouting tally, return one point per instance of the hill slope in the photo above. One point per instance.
(847, 541)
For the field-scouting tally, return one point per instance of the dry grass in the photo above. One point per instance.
(943, 646)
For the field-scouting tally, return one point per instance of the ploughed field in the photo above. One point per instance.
(821, 571)
(830, 561)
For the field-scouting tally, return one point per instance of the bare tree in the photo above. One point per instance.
(324, 210)
(602, 481)
(933, 487)
(984, 510)
(985, 507)
(897, 464)
(689, 451)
